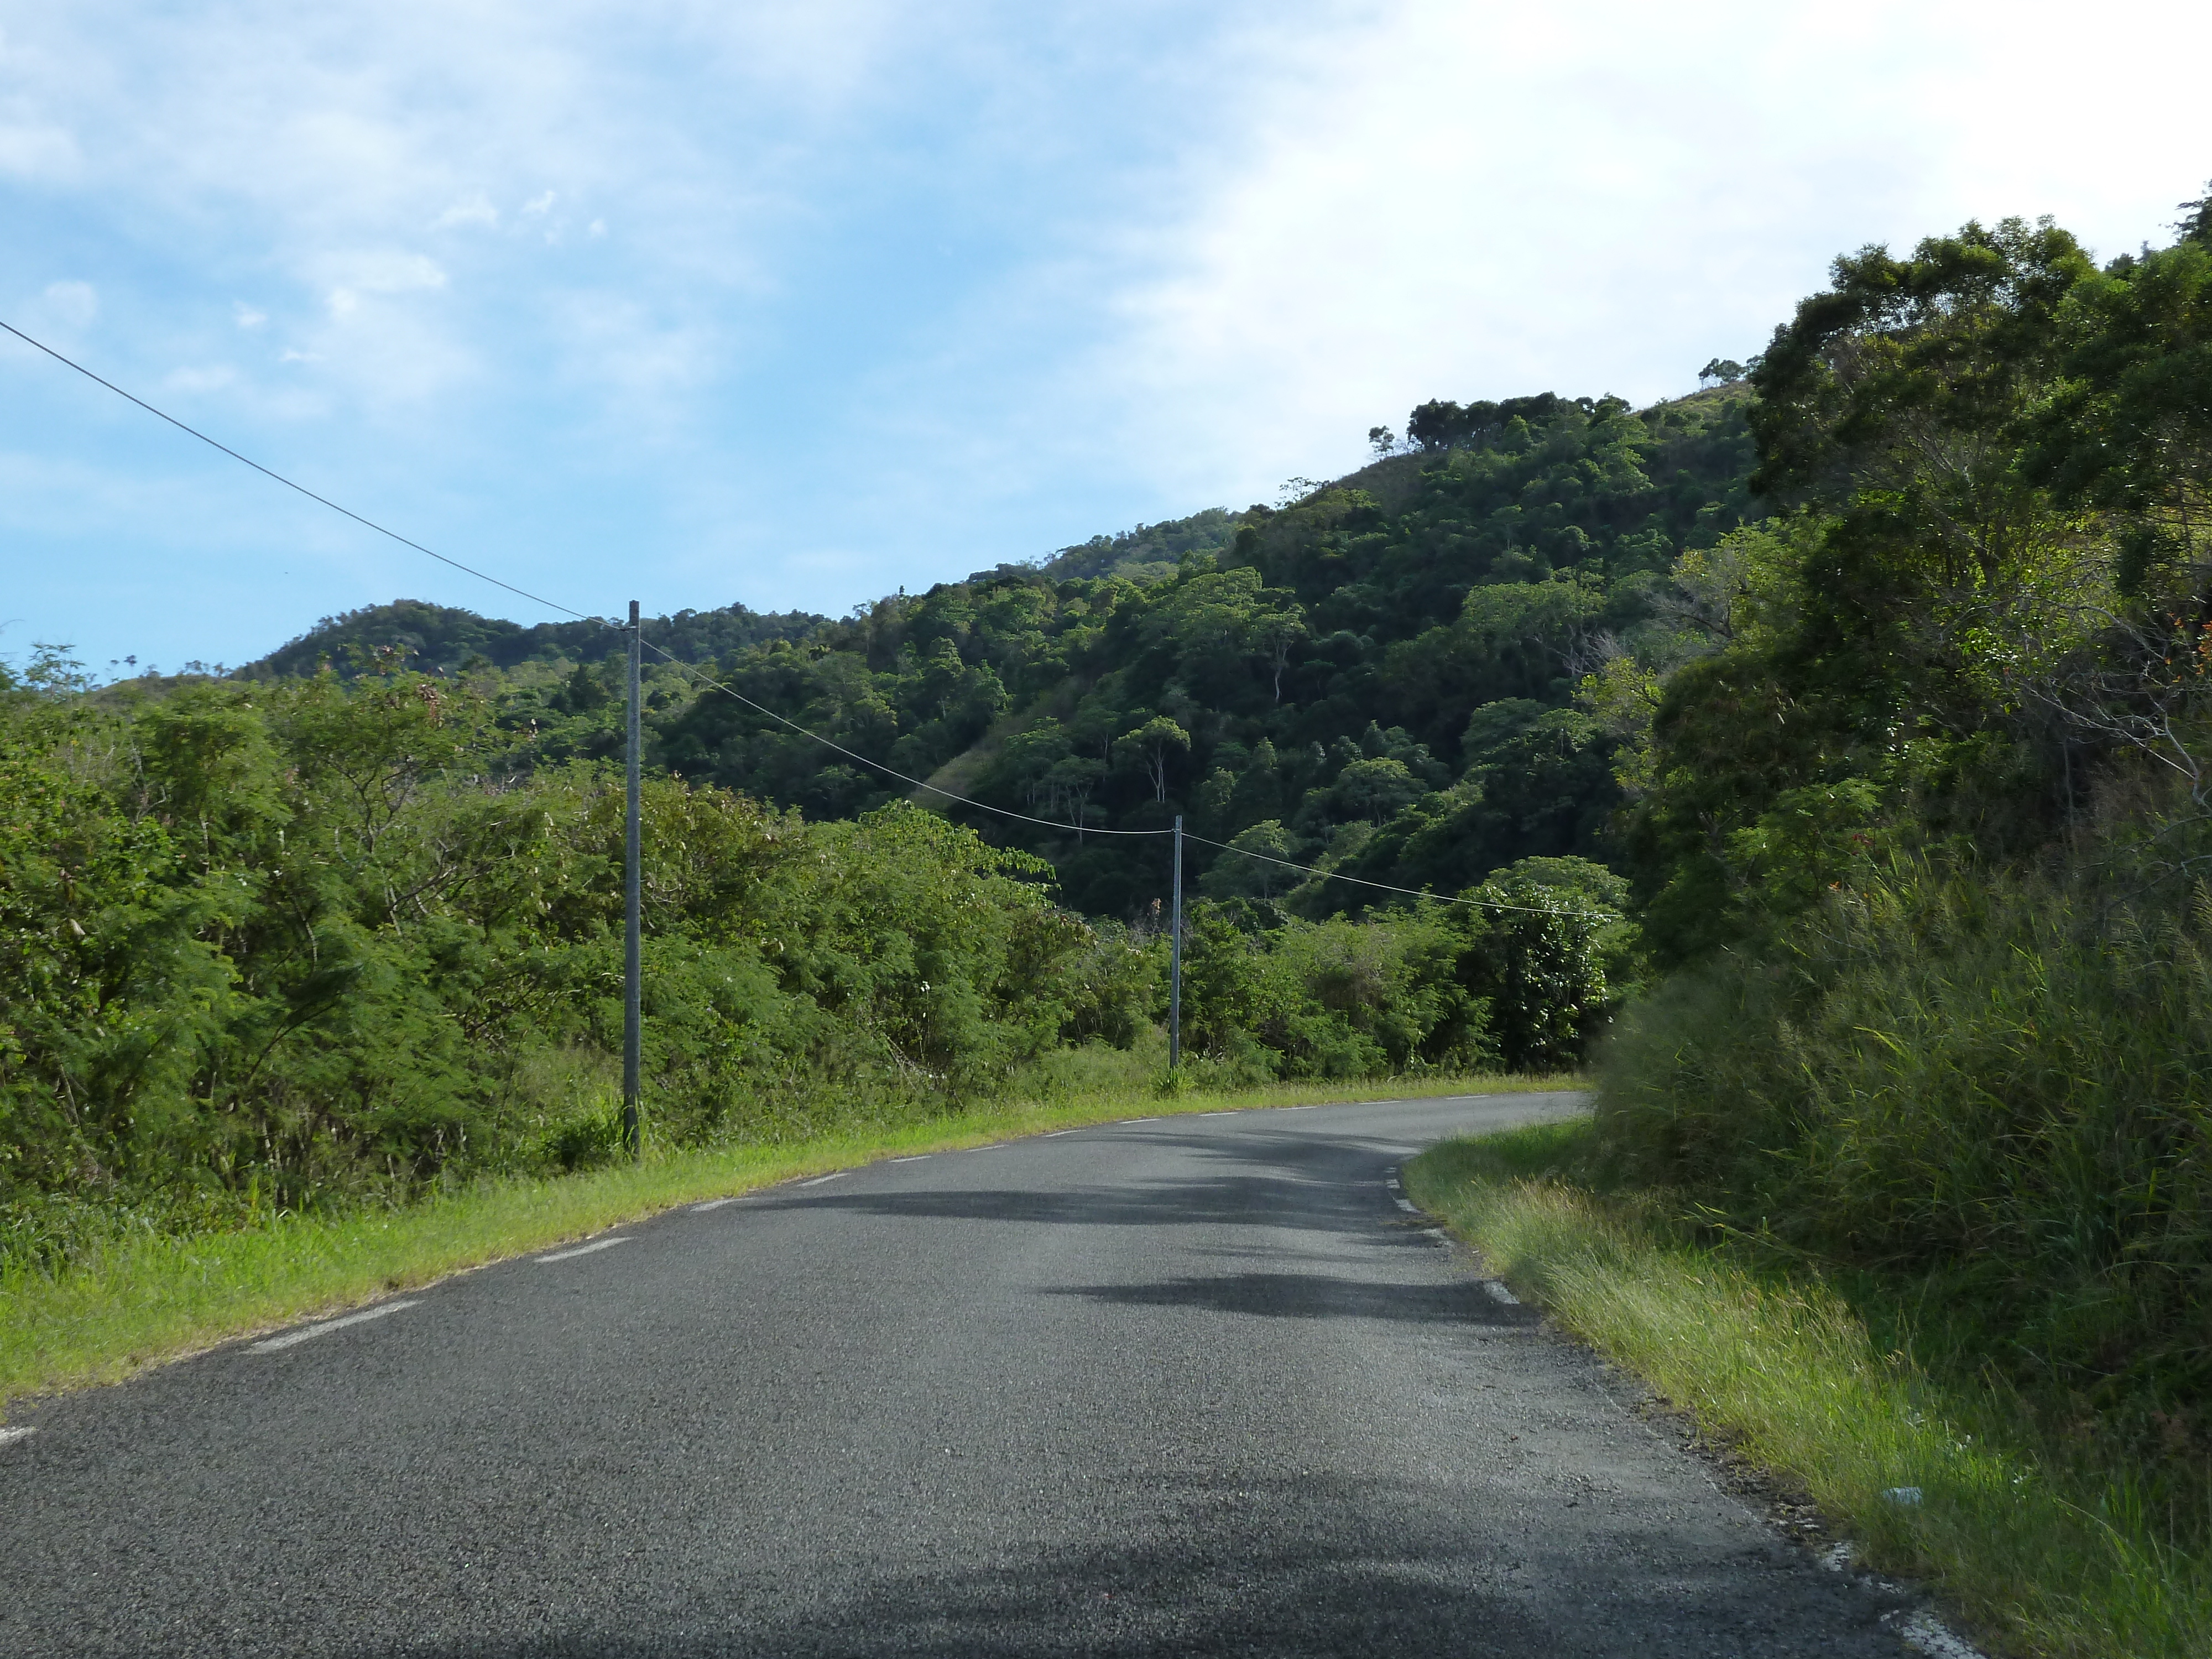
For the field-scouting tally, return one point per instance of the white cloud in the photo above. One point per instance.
(389, 271)
(37, 153)
(70, 305)
(476, 209)
(541, 205)
(215, 377)
(381, 273)
(248, 316)
(1454, 200)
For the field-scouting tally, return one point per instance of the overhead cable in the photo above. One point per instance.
(535, 598)
(708, 680)
(1053, 823)
(984, 806)
(1384, 886)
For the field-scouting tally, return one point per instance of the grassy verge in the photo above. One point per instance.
(141, 1300)
(2041, 1552)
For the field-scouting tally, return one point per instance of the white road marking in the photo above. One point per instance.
(714, 1203)
(1140, 1119)
(1405, 1204)
(818, 1179)
(325, 1327)
(916, 1159)
(1217, 1114)
(1499, 1293)
(1056, 1135)
(1299, 1109)
(7, 1436)
(1392, 1183)
(584, 1249)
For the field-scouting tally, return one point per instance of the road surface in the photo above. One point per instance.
(1196, 1385)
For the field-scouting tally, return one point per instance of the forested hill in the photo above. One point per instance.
(451, 640)
(1399, 649)
(1380, 674)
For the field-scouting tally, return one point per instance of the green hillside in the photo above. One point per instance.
(449, 640)
(1382, 675)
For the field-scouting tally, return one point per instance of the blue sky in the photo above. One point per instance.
(696, 302)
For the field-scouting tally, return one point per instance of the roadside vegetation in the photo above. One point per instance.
(2050, 1543)
(1901, 1167)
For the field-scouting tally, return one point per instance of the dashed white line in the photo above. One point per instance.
(1499, 1294)
(9, 1436)
(324, 1327)
(1299, 1109)
(915, 1158)
(1216, 1115)
(1405, 1204)
(818, 1179)
(584, 1249)
(1140, 1119)
(714, 1203)
(1056, 1135)
(1392, 1183)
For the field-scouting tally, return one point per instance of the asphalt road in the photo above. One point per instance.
(1194, 1385)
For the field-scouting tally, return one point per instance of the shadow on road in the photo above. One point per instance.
(1284, 1570)
(1311, 1296)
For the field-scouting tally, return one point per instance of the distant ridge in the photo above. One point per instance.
(446, 637)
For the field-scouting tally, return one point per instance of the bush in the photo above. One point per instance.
(1994, 1087)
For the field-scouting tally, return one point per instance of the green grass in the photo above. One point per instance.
(142, 1299)
(2039, 1551)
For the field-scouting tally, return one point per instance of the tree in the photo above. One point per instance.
(1235, 875)
(1068, 784)
(1538, 961)
(1277, 632)
(1375, 789)
(1724, 371)
(1150, 745)
(1382, 439)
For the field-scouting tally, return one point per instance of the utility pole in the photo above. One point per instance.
(1174, 957)
(633, 971)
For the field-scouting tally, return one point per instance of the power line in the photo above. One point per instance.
(1051, 823)
(1384, 886)
(535, 598)
(552, 605)
(984, 806)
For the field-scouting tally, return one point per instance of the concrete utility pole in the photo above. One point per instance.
(1174, 957)
(633, 971)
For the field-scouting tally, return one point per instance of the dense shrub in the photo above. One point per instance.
(301, 939)
(1996, 1087)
